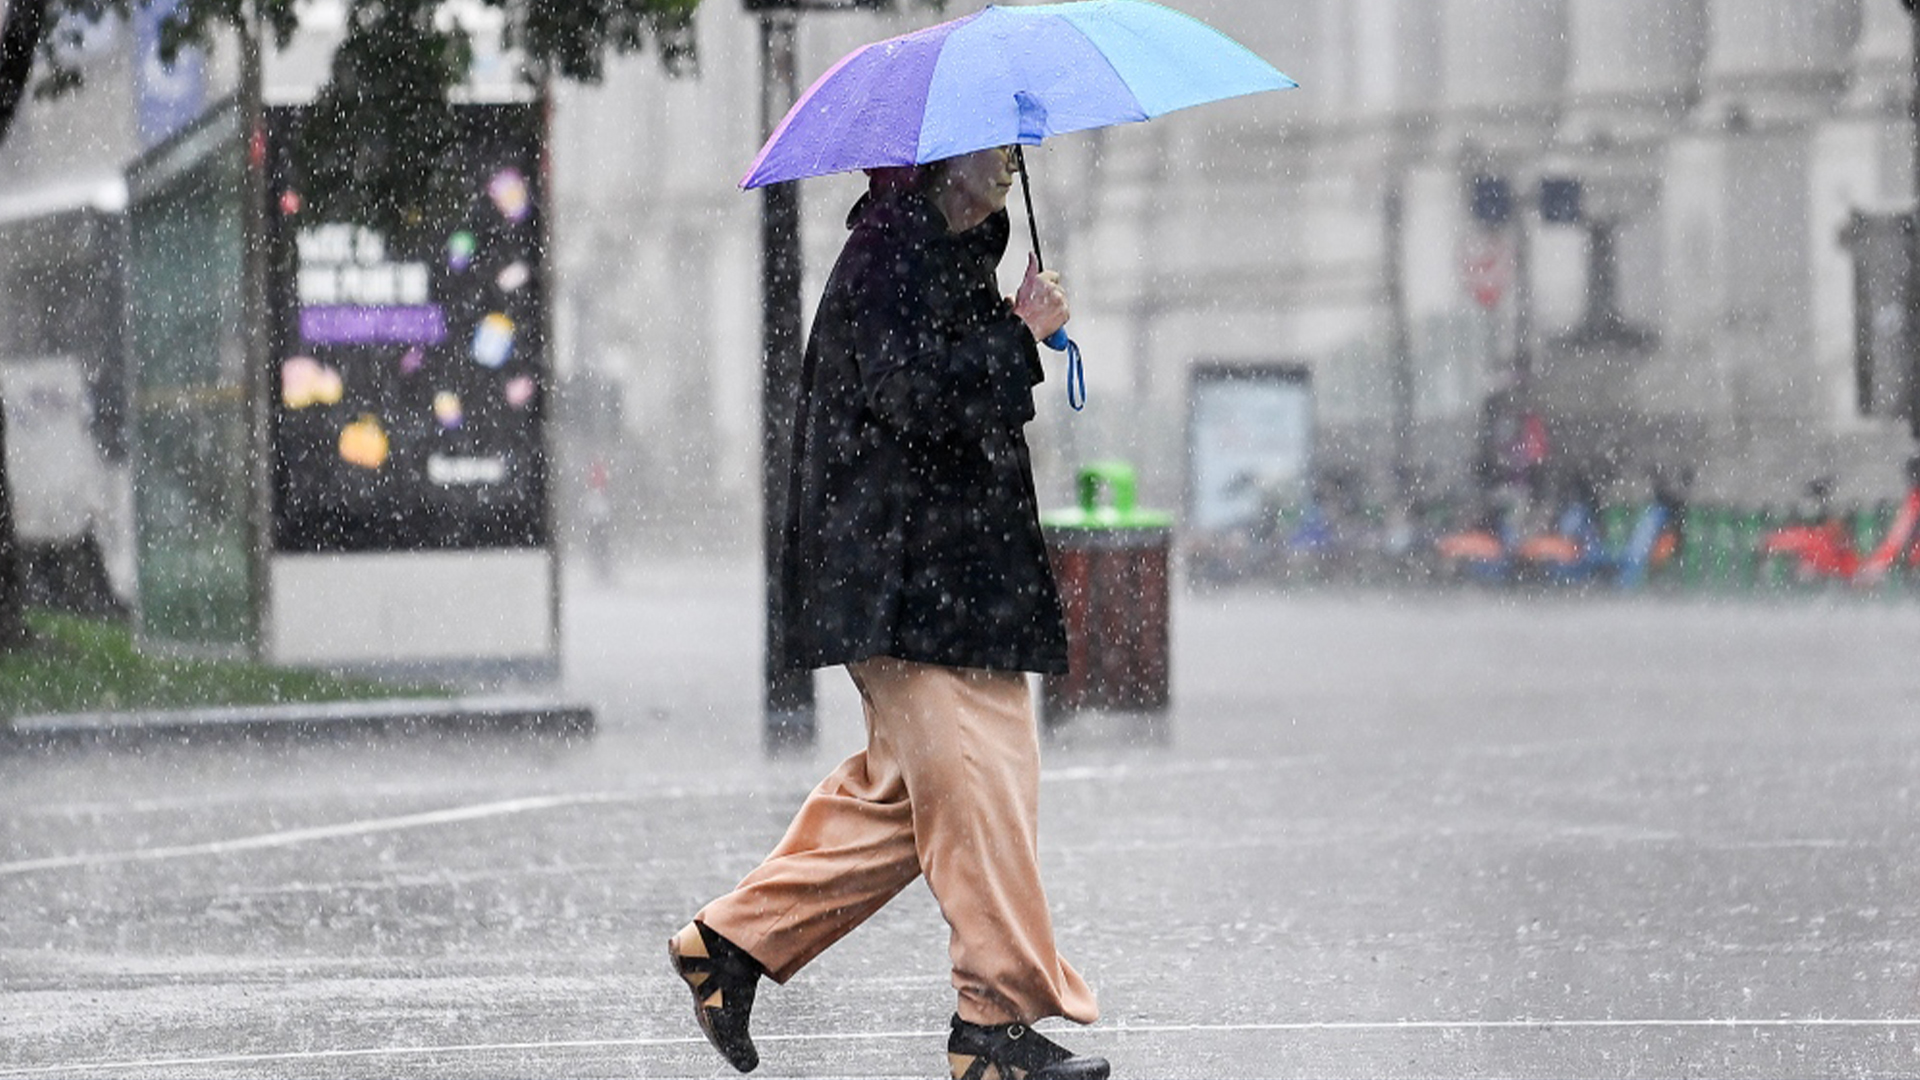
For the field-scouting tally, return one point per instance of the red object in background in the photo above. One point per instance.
(1899, 541)
(1665, 547)
(1821, 550)
(1478, 545)
(1485, 268)
(1549, 548)
(1826, 550)
(1534, 444)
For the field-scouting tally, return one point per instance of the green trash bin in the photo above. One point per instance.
(1110, 559)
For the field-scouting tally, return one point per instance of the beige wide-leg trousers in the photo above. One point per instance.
(948, 786)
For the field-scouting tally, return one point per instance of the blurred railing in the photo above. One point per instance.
(1714, 548)
(1721, 548)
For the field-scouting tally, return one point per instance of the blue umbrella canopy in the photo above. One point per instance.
(1006, 76)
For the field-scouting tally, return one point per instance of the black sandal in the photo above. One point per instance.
(722, 977)
(1015, 1052)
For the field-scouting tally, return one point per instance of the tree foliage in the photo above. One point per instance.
(399, 55)
(21, 33)
(568, 38)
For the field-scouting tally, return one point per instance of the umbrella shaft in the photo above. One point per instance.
(1026, 192)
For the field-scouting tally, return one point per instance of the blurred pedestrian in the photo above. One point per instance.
(913, 556)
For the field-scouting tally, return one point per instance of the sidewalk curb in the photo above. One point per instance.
(385, 716)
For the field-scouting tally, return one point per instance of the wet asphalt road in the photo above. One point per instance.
(1450, 835)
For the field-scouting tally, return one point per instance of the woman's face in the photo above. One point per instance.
(974, 186)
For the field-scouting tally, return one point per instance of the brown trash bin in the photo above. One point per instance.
(1111, 564)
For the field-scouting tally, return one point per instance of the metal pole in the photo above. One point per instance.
(1910, 326)
(256, 379)
(789, 715)
(1523, 294)
(1401, 346)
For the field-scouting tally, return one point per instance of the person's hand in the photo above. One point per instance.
(1041, 303)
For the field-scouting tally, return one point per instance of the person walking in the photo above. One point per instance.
(913, 557)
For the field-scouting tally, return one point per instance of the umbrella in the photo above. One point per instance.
(1006, 76)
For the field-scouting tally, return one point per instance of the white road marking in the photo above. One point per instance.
(366, 827)
(1299, 1027)
(530, 804)
(292, 837)
(1141, 769)
(1515, 1025)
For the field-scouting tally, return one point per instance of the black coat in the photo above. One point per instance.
(911, 524)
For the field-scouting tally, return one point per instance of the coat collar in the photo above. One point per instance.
(918, 219)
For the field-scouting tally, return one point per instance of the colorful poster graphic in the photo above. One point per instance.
(446, 409)
(364, 443)
(409, 416)
(305, 381)
(348, 324)
(460, 251)
(493, 341)
(519, 391)
(508, 189)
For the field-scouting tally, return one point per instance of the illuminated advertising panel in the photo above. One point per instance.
(410, 370)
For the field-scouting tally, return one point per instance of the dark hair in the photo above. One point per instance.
(888, 179)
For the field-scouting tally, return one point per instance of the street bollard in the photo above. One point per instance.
(1111, 563)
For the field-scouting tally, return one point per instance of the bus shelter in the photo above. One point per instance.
(362, 481)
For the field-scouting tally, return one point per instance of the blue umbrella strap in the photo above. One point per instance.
(1076, 377)
(1076, 371)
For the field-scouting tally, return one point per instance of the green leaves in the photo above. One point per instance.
(573, 37)
(380, 138)
(568, 38)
